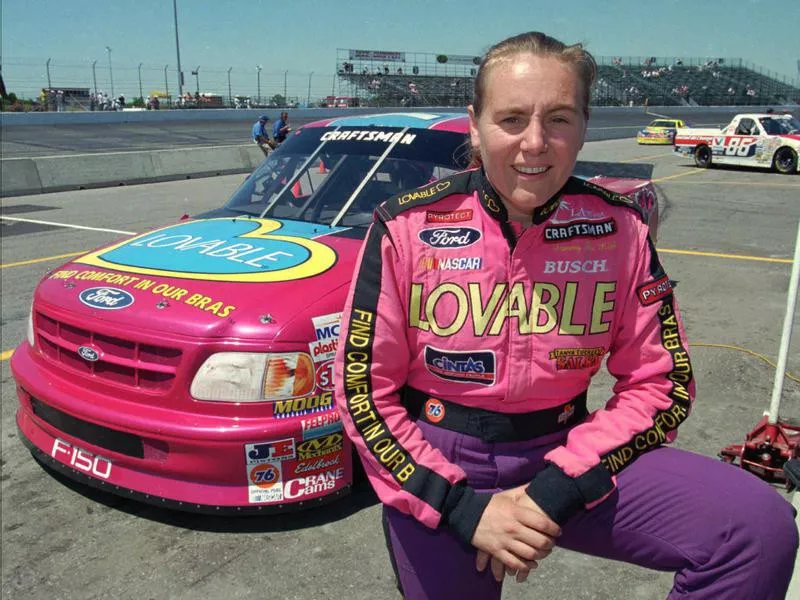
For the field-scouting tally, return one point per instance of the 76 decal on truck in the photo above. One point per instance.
(749, 140)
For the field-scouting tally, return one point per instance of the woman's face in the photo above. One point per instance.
(530, 130)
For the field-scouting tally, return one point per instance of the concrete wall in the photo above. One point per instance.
(23, 176)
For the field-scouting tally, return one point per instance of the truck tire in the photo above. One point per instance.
(702, 156)
(785, 160)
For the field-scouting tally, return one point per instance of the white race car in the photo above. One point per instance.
(749, 140)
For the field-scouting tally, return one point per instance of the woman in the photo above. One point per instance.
(467, 351)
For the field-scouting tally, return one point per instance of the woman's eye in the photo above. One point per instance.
(511, 120)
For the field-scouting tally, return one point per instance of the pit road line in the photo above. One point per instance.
(67, 225)
(44, 259)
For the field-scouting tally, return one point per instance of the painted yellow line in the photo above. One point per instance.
(38, 260)
(649, 156)
(785, 261)
(692, 172)
(787, 186)
(6, 355)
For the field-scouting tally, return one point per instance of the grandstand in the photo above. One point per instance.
(382, 78)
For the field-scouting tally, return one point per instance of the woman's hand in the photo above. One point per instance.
(515, 532)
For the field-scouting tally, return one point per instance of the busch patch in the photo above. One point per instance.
(654, 291)
(477, 366)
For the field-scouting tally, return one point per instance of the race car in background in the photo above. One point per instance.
(749, 140)
(191, 366)
(660, 131)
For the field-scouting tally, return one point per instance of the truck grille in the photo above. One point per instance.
(121, 361)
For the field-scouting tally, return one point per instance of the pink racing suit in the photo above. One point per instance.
(456, 312)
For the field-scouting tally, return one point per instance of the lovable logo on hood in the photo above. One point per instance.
(450, 237)
(246, 250)
(106, 298)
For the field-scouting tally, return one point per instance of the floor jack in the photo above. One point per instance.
(772, 450)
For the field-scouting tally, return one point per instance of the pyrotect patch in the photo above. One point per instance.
(453, 216)
(654, 291)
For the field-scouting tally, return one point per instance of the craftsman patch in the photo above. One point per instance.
(654, 291)
(580, 229)
(462, 367)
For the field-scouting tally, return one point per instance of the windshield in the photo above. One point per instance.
(338, 175)
(780, 125)
(669, 124)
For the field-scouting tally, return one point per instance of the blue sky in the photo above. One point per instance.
(302, 36)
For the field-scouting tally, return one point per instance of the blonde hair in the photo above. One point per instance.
(538, 44)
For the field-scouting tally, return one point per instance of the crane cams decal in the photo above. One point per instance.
(243, 250)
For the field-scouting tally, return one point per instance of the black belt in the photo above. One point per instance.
(493, 426)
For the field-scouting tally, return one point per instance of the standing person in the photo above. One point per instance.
(261, 136)
(466, 353)
(281, 129)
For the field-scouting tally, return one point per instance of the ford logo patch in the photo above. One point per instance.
(89, 354)
(450, 237)
(106, 298)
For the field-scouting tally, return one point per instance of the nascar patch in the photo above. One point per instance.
(477, 366)
(652, 292)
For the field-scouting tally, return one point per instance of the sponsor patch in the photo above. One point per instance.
(567, 413)
(312, 485)
(326, 327)
(264, 482)
(463, 263)
(576, 266)
(320, 446)
(577, 358)
(434, 410)
(284, 409)
(321, 424)
(477, 366)
(428, 192)
(324, 376)
(317, 464)
(368, 135)
(323, 350)
(106, 298)
(270, 451)
(449, 238)
(580, 229)
(654, 291)
(453, 216)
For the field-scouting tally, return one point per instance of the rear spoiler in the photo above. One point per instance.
(588, 169)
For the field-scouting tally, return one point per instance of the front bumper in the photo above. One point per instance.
(191, 462)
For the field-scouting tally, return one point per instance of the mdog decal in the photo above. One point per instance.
(284, 409)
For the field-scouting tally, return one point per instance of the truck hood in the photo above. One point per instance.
(219, 277)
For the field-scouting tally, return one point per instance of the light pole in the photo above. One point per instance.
(196, 74)
(166, 86)
(308, 99)
(94, 77)
(258, 83)
(285, 100)
(141, 94)
(177, 48)
(110, 72)
(47, 65)
(230, 96)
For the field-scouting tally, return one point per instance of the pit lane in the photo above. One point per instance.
(726, 237)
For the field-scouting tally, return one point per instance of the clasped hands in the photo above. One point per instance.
(514, 534)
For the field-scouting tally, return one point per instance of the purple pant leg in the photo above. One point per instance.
(726, 534)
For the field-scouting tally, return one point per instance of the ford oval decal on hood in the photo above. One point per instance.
(242, 249)
(106, 298)
(450, 237)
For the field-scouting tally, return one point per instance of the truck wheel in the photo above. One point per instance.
(785, 161)
(702, 157)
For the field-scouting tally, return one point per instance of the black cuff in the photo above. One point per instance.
(561, 497)
(463, 509)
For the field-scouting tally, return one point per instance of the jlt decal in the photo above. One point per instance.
(537, 308)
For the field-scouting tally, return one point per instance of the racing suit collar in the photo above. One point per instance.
(491, 201)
